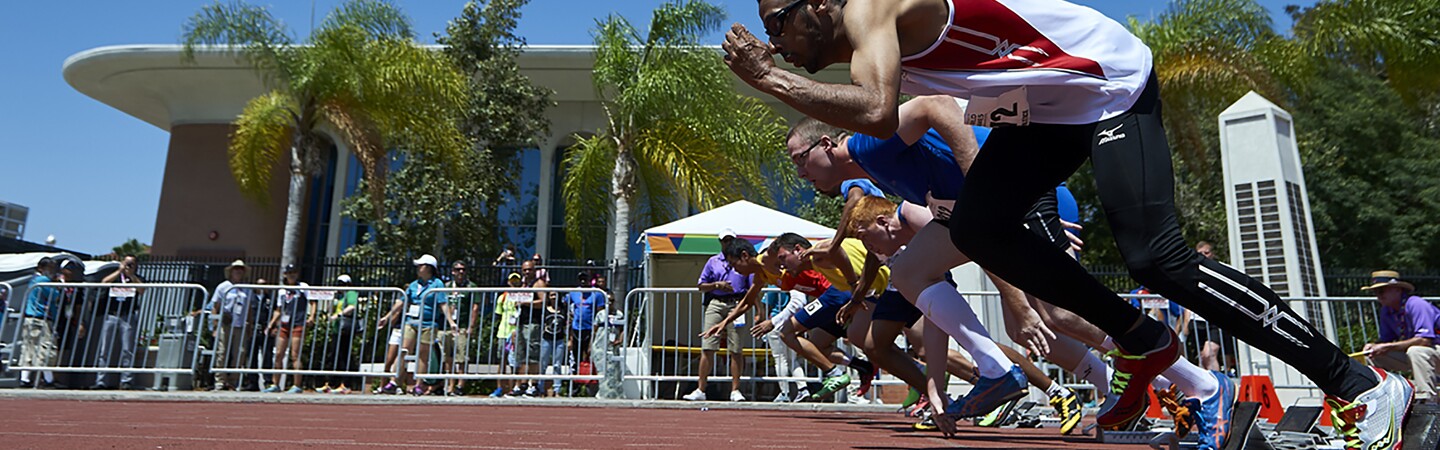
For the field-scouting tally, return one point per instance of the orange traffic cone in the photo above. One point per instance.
(1259, 389)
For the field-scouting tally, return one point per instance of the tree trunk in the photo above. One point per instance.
(622, 185)
(295, 205)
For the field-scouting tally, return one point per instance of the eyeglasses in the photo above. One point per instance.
(457, 269)
(779, 17)
(799, 158)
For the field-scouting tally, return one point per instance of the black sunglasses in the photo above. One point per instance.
(779, 16)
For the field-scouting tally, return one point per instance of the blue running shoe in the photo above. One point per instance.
(1212, 415)
(988, 394)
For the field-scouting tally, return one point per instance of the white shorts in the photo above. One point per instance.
(395, 335)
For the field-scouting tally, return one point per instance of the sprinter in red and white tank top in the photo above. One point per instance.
(1059, 83)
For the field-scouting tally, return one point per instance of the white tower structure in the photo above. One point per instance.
(1271, 235)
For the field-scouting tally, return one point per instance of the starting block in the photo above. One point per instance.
(1422, 428)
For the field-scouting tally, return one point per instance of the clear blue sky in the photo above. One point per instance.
(91, 175)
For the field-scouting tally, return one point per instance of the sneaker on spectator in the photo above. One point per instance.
(696, 396)
(499, 391)
(295, 390)
(736, 396)
(217, 388)
(531, 391)
(340, 390)
(801, 396)
(516, 391)
(271, 389)
(782, 398)
(388, 388)
(324, 389)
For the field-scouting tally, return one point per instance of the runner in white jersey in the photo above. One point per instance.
(1059, 83)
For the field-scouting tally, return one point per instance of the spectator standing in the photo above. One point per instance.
(531, 306)
(292, 315)
(120, 323)
(466, 313)
(392, 320)
(540, 272)
(231, 305)
(424, 312)
(42, 307)
(508, 317)
(507, 257)
(584, 307)
(70, 325)
(1407, 332)
(339, 343)
(723, 288)
(261, 343)
(555, 339)
(782, 305)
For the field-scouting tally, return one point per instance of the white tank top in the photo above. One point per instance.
(1071, 64)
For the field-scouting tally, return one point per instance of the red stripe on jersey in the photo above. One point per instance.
(984, 35)
(809, 282)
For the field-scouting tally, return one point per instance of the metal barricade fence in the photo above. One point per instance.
(522, 337)
(271, 335)
(10, 319)
(107, 328)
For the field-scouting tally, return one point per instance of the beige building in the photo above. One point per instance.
(202, 213)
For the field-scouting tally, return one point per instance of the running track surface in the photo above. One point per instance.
(163, 425)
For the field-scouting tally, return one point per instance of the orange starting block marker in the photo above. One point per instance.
(1156, 411)
(1259, 389)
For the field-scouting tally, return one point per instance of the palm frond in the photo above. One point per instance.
(681, 23)
(246, 31)
(263, 134)
(1398, 40)
(586, 190)
(379, 19)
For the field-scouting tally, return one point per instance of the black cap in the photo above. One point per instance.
(290, 268)
(75, 266)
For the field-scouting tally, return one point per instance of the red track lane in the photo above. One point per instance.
(163, 425)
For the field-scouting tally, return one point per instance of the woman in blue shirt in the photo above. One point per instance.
(424, 309)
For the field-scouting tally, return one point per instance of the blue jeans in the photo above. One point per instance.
(552, 353)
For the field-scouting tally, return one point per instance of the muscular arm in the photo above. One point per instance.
(867, 105)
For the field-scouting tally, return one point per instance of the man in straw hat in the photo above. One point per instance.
(1407, 332)
(232, 306)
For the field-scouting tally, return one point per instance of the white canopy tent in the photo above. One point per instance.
(675, 252)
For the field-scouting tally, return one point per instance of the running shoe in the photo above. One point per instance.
(801, 396)
(1374, 419)
(988, 394)
(1067, 408)
(695, 396)
(531, 391)
(996, 417)
(1212, 415)
(867, 371)
(1180, 410)
(272, 389)
(340, 390)
(920, 407)
(1131, 382)
(324, 389)
(782, 398)
(498, 392)
(926, 423)
(295, 390)
(831, 385)
(736, 396)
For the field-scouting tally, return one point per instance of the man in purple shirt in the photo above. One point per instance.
(723, 288)
(1407, 332)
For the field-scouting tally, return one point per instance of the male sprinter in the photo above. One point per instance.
(819, 349)
(1070, 84)
(917, 149)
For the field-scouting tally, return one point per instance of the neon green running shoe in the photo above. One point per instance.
(996, 417)
(831, 385)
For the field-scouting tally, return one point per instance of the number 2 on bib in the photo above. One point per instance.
(1011, 108)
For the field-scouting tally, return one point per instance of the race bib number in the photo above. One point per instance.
(520, 296)
(413, 311)
(321, 295)
(284, 318)
(813, 306)
(122, 293)
(1011, 108)
(941, 209)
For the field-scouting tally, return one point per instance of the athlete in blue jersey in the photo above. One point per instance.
(938, 172)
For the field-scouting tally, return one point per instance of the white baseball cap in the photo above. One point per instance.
(727, 233)
(427, 259)
(345, 278)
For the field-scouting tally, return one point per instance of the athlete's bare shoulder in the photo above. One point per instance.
(914, 23)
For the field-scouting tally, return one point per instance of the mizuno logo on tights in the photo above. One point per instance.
(1110, 135)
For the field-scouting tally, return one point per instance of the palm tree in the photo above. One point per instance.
(1396, 40)
(677, 132)
(361, 74)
